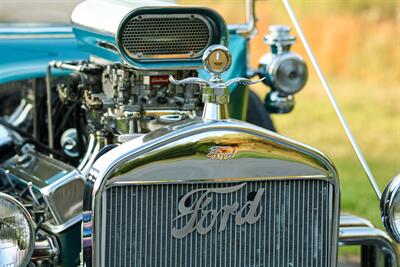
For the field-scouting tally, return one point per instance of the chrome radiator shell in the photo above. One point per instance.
(179, 156)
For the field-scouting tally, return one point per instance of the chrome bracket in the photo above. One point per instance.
(216, 60)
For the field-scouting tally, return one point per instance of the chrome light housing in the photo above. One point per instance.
(285, 71)
(390, 208)
(17, 235)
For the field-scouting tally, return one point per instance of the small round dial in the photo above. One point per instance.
(217, 59)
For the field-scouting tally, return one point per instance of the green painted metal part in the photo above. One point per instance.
(70, 246)
(238, 46)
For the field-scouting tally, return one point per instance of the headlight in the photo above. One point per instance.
(288, 73)
(284, 71)
(390, 208)
(16, 232)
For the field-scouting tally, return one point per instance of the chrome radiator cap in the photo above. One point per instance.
(148, 34)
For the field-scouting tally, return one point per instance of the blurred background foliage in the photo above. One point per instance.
(357, 44)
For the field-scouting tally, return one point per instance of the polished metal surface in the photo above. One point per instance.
(216, 112)
(179, 155)
(285, 71)
(377, 248)
(215, 92)
(102, 16)
(55, 181)
(390, 198)
(263, 223)
(96, 142)
(348, 220)
(371, 237)
(217, 59)
(279, 36)
(332, 99)
(46, 250)
(166, 36)
(148, 34)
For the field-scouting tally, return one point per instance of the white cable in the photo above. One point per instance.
(332, 99)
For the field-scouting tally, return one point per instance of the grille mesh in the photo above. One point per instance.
(294, 229)
(154, 36)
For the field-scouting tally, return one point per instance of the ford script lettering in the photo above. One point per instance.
(196, 214)
(221, 152)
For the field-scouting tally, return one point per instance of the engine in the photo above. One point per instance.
(120, 103)
(85, 108)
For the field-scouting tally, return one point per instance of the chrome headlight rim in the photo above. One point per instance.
(274, 66)
(30, 222)
(389, 197)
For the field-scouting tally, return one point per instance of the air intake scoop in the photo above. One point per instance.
(152, 35)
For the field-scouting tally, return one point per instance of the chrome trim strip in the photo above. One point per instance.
(332, 99)
(349, 220)
(111, 183)
(368, 236)
(35, 36)
(47, 196)
(62, 227)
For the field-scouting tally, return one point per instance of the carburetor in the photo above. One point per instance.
(123, 101)
(142, 101)
(285, 72)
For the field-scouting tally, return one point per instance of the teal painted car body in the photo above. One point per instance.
(25, 50)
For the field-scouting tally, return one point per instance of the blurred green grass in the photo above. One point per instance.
(374, 118)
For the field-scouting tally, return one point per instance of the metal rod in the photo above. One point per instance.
(35, 109)
(49, 107)
(329, 92)
(247, 29)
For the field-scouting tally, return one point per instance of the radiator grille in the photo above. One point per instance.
(294, 228)
(150, 36)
